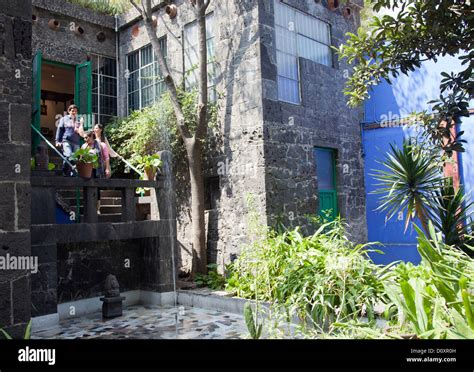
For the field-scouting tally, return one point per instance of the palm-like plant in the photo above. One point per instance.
(408, 183)
(452, 216)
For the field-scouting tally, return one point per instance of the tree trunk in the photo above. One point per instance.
(193, 143)
(194, 152)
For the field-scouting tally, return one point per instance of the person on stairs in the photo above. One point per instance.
(100, 149)
(68, 136)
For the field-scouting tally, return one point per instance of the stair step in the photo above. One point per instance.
(112, 202)
(107, 218)
(111, 193)
(105, 200)
(112, 209)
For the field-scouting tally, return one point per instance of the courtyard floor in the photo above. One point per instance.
(151, 322)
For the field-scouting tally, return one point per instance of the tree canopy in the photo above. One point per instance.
(419, 30)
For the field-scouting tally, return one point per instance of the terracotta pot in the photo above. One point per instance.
(347, 12)
(135, 31)
(84, 170)
(34, 18)
(171, 10)
(154, 21)
(150, 174)
(79, 31)
(53, 24)
(101, 36)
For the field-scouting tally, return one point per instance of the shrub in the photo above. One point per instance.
(438, 302)
(322, 278)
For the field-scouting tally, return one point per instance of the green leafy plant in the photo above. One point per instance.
(85, 156)
(452, 215)
(111, 7)
(26, 336)
(253, 326)
(408, 182)
(212, 279)
(439, 303)
(147, 163)
(399, 43)
(322, 278)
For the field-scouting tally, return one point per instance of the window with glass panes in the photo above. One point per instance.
(145, 83)
(298, 35)
(191, 56)
(104, 88)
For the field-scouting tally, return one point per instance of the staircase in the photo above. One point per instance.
(110, 204)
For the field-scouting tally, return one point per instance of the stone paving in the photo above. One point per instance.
(151, 322)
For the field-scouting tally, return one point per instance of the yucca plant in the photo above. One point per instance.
(452, 215)
(408, 182)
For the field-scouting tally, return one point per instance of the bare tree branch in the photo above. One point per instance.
(167, 77)
(136, 6)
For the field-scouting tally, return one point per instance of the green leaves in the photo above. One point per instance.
(420, 30)
(254, 328)
(152, 162)
(439, 303)
(408, 182)
(213, 279)
(321, 278)
(85, 156)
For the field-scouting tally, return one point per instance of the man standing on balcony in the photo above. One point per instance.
(68, 136)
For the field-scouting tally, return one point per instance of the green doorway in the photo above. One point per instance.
(326, 173)
(55, 86)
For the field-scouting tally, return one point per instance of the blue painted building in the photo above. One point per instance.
(389, 104)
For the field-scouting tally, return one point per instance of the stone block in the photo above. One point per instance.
(15, 164)
(21, 299)
(4, 122)
(45, 253)
(20, 123)
(23, 204)
(7, 207)
(5, 303)
(17, 8)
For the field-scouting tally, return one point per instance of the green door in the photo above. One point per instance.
(83, 93)
(36, 101)
(326, 173)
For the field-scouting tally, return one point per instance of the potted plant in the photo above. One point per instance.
(85, 162)
(149, 164)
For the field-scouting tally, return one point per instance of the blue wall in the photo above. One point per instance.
(393, 102)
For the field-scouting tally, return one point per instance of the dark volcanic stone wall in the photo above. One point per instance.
(64, 45)
(15, 116)
(83, 267)
(291, 132)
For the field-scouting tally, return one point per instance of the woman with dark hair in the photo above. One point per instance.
(100, 136)
(100, 139)
(103, 170)
(99, 148)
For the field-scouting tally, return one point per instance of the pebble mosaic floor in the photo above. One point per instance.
(151, 322)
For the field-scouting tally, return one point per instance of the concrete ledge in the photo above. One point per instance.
(212, 300)
(154, 298)
(49, 234)
(41, 323)
(93, 305)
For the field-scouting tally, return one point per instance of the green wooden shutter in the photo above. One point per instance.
(83, 92)
(36, 101)
(326, 173)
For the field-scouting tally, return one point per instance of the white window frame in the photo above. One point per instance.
(140, 69)
(297, 52)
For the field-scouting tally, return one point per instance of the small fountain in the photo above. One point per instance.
(112, 301)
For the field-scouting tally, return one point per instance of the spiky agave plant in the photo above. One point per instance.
(452, 215)
(410, 179)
